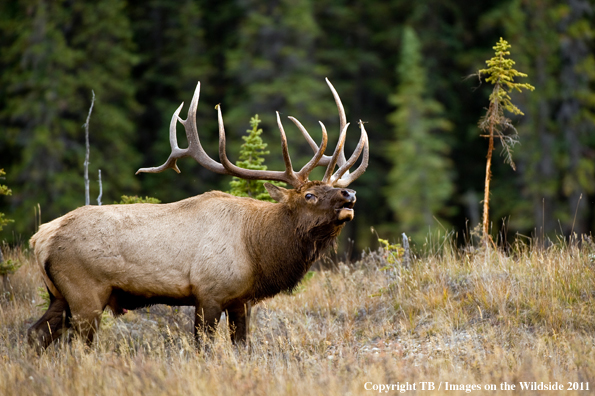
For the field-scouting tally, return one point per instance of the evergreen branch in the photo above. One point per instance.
(4, 190)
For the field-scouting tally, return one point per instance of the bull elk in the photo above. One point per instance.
(214, 251)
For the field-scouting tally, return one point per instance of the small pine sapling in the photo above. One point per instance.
(501, 74)
(9, 266)
(392, 253)
(251, 157)
(394, 256)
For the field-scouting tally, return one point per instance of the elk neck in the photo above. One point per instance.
(282, 246)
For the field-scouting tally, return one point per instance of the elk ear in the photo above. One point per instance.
(279, 194)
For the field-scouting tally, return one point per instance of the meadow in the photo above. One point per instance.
(460, 320)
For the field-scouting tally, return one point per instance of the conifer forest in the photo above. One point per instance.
(408, 69)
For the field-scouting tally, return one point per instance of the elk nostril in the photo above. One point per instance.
(345, 193)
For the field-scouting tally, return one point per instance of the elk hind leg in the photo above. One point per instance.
(86, 312)
(52, 324)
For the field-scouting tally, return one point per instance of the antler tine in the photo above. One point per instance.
(195, 149)
(288, 176)
(319, 152)
(363, 141)
(342, 182)
(325, 160)
(338, 150)
(285, 149)
(176, 152)
(342, 118)
(309, 139)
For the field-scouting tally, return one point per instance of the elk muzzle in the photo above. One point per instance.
(345, 206)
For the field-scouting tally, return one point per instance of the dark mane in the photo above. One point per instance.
(283, 252)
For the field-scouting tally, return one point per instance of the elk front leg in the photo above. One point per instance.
(205, 320)
(239, 321)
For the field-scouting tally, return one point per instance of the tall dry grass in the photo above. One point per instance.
(462, 316)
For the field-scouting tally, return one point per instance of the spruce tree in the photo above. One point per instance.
(251, 157)
(420, 180)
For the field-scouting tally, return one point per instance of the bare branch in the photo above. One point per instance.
(100, 190)
(86, 125)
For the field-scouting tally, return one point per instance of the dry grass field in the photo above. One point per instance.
(456, 320)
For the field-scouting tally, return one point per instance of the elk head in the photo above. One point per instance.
(320, 198)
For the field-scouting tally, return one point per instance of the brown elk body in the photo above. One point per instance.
(214, 251)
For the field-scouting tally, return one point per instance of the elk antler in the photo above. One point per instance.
(196, 151)
(341, 178)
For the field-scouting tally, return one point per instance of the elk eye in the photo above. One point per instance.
(309, 196)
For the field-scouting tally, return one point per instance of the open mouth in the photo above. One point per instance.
(347, 205)
(345, 211)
